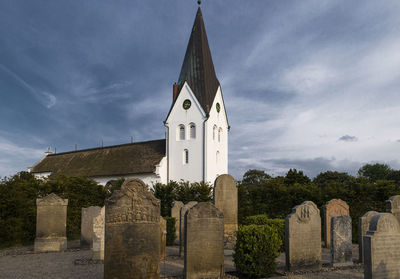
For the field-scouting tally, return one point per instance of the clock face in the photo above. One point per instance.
(218, 107)
(186, 104)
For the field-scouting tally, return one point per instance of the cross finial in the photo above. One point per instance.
(199, 2)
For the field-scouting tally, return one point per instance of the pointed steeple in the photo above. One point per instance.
(198, 68)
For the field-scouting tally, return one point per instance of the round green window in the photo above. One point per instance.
(186, 104)
(218, 107)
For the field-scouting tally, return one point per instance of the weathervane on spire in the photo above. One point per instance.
(199, 2)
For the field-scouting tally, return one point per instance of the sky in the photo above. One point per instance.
(312, 85)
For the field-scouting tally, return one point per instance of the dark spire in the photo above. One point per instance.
(198, 68)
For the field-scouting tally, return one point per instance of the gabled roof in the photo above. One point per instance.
(198, 68)
(133, 158)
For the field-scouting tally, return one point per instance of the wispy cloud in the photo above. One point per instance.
(348, 138)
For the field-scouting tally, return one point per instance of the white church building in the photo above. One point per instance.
(196, 145)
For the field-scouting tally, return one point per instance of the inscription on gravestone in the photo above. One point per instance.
(175, 213)
(303, 237)
(98, 236)
(393, 206)
(51, 224)
(226, 200)
(335, 207)
(341, 246)
(204, 246)
(382, 248)
(87, 225)
(184, 208)
(132, 233)
(363, 227)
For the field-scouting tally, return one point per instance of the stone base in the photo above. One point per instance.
(98, 255)
(342, 264)
(50, 244)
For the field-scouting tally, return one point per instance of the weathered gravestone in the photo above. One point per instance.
(184, 208)
(132, 233)
(204, 246)
(226, 200)
(303, 237)
(335, 207)
(98, 236)
(393, 206)
(51, 224)
(175, 213)
(87, 225)
(382, 248)
(341, 246)
(363, 226)
(163, 233)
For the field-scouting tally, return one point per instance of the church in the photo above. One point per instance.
(195, 147)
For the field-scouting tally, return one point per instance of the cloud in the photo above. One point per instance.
(348, 138)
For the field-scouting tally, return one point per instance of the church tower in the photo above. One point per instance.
(197, 124)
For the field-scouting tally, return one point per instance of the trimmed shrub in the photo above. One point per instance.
(257, 248)
(263, 219)
(171, 230)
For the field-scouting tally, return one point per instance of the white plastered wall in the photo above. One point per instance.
(213, 145)
(178, 170)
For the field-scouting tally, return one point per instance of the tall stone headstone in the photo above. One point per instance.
(363, 226)
(226, 200)
(303, 237)
(175, 213)
(51, 224)
(163, 233)
(382, 248)
(87, 225)
(341, 245)
(184, 208)
(204, 246)
(132, 233)
(335, 207)
(393, 206)
(98, 236)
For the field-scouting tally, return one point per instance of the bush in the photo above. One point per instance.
(262, 219)
(171, 230)
(256, 250)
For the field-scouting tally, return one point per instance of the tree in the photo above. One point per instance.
(375, 171)
(255, 177)
(293, 176)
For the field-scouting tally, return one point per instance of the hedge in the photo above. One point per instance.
(257, 248)
(171, 230)
(262, 219)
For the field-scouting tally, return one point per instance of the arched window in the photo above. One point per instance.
(192, 128)
(217, 157)
(214, 131)
(181, 132)
(185, 156)
(219, 134)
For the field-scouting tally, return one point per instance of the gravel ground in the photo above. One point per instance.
(76, 263)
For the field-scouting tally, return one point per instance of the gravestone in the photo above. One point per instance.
(98, 236)
(382, 248)
(363, 226)
(87, 225)
(175, 213)
(204, 246)
(341, 246)
(335, 207)
(303, 237)
(163, 233)
(184, 208)
(226, 200)
(393, 206)
(51, 224)
(132, 233)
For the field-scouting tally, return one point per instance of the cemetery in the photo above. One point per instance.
(127, 238)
